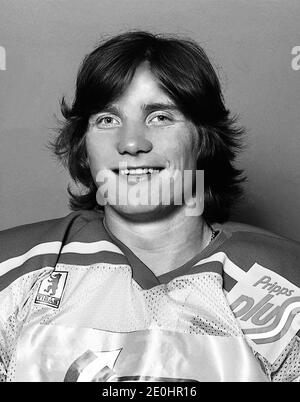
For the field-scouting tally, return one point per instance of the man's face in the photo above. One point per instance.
(142, 129)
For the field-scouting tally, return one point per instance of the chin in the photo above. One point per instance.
(143, 213)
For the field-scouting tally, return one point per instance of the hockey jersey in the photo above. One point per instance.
(77, 305)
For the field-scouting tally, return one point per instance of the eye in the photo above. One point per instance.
(159, 119)
(107, 121)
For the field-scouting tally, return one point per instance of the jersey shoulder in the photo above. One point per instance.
(275, 253)
(29, 247)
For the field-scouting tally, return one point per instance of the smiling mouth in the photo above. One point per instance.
(144, 171)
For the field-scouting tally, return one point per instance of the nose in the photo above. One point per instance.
(133, 141)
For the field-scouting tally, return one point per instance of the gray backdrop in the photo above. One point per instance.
(250, 44)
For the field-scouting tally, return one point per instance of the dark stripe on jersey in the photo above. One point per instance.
(50, 260)
(18, 241)
(276, 254)
(189, 268)
(102, 257)
(82, 226)
(32, 264)
(228, 282)
(213, 266)
(143, 275)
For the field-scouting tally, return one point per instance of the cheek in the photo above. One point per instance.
(191, 145)
(182, 147)
(98, 150)
(96, 154)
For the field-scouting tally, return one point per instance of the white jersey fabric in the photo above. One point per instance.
(77, 305)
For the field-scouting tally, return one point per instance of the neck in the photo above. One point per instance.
(163, 244)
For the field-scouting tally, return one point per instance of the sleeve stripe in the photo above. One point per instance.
(90, 248)
(54, 248)
(40, 249)
(230, 268)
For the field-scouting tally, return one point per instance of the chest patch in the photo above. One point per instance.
(51, 289)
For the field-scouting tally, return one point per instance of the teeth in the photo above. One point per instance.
(138, 171)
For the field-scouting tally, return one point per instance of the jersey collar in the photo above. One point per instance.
(147, 279)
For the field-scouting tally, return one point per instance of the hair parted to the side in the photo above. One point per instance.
(185, 73)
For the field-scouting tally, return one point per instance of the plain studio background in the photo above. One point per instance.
(250, 44)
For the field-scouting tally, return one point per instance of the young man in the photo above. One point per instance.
(148, 291)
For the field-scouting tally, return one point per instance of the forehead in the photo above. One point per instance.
(143, 89)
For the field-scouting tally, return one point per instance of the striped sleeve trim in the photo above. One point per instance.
(40, 249)
(91, 248)
(232, 273)
(54, 248)
(46, 254)
(230, 267)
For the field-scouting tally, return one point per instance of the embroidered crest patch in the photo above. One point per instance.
(51, 289)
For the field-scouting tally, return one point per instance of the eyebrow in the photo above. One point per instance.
(152, 107)
(147, 108)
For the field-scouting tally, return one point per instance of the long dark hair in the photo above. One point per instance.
(185, 73)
